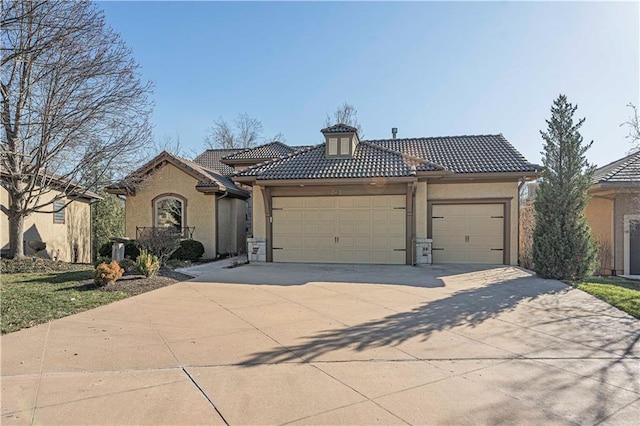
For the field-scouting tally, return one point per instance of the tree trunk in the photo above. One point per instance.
(16, 235)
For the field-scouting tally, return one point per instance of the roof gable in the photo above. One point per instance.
(205, 177)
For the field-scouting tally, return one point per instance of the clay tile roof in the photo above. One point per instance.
(369, 161)
(400, 157)
(211, 160)
(623, 171)
(464, 154)
(339, 128)
(269, 150)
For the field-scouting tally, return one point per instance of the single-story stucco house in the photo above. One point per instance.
(200, 202)
(394, 201)
(613, 212)
(65, 227)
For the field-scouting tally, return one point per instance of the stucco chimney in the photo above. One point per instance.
(394, 132)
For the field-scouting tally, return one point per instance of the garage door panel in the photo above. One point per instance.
(468, 233)
(359, 229)
(362, 215)
(326, 202)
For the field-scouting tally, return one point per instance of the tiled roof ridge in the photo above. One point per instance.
(339, 128)
(403, 155)
(222, 149)
(273, 160)
(243, 150)
(616, 166)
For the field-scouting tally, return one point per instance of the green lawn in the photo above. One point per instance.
(622, 293)
(33, 298)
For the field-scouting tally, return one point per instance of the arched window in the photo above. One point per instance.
(169, 211)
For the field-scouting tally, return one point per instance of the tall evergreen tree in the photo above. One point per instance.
(562, 244)
(107, 217)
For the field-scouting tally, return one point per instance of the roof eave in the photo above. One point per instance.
(336, 181)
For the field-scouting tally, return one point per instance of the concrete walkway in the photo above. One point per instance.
(332, 344)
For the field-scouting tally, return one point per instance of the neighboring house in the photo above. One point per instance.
(198, 201)
(398, 201)
(66, 231)
(614, 214)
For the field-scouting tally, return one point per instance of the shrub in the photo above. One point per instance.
(162, 242)
(147, 263)
(175, 263)
(131, 250)
(105, 250)
(107, 272)
(128, 265)
(191, 250)
(102, 259)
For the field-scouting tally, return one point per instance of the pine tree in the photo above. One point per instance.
(562, 244)
(107, 218)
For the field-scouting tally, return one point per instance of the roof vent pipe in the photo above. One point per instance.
(394, 132)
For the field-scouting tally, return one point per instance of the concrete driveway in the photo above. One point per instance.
(331, 344)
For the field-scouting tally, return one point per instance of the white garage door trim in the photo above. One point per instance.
(339, 229)
(505, 210)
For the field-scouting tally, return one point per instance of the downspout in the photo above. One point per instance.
(217, 228)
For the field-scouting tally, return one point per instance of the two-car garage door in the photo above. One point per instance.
(468, 233)
(339, 229)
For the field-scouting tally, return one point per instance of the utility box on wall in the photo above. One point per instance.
(423, 251)
(257, 249)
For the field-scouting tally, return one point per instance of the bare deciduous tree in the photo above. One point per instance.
(634, 127)
(345, 114)
(245, 133)
(73, 106)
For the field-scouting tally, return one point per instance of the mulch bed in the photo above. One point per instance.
(133, 284)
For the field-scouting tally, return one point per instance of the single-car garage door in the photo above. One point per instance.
(468, 233)
(345, 229)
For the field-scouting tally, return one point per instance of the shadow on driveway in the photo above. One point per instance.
(465, 307)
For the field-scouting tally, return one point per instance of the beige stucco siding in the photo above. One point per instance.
(421, 210)
(240, 216)
(471, 191)
(226, 238)
(200, 208)
(625, 204)
(69, 241)
(599, 214)
(258, 217)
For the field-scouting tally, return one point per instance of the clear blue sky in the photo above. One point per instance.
(430, 69)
